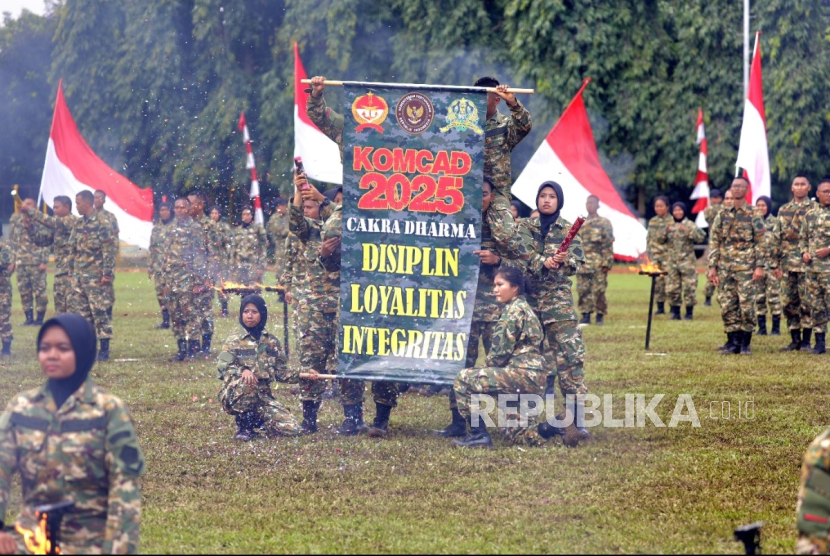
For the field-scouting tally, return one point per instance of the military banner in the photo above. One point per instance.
(412, 173)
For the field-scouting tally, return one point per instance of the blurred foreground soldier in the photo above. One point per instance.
(277, 233)
(184, 259)
(204, 298)
(592, 278)
(248, 247)
(30, 263)
(770, 290)
(681, 236)
(813, 505)
(71, 440)
(736, 265)
(160, 229)
(219, 239)
(785, 262)
(250, 360)
(815, 249)
(6, 270)
(100, 199)
(514, 366)
(656, 247)
(93, 260)
(709, 213)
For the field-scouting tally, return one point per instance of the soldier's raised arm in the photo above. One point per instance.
(327, 120)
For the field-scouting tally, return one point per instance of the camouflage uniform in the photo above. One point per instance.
(815, 234)
(278, 232)
(785, 254)
(93, 258)
(31, 281)
(656, 246)
(813, 505)
(680, 241)
(292, 281)
(770, 290)
(160, 230)
(219, 239)
(204, 299)
(248, 246)
(110, 288)
(709, 213)
(736, 249)
(183, 257)
(592, 278)
(514, 366)
(6, 259)
(56, 231)
(553, 301)
(86, 451)
(266, 360)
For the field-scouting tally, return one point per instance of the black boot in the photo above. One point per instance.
(806, 334)
(109, 314)
(39, 320)
(224, 304)
(733, 344)
(577, 407)
(796, 343)
(746, 339)
(380, 426)
(7, 348)
(182, 354)
(599, 318)
(29, 320)
(762, 325)
(675, 312)
(708, 302)
(690, 310)
(661, 308)
(353, 421)
(478, 437)
(309, 424)
(165, 319)
(243, 428)
(206, 339)
(193, 348)
(586, 318)
(776, 325)
(104, 352)
(820, 347)
(456, 429)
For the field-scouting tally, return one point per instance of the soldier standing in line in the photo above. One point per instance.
(709, 213)
(736, 265)
(278, 233)
(770, 290)
(592, 278)
(100, 199)
(182, 266)
(656, 247)
(204, 298)
(30, 263)
(815, 253)
(160, 229)
(219, 249)
(681, 237)
(248, 246)
(6, 270)
(785, 262)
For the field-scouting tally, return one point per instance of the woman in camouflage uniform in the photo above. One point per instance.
(70, 440)
(680, 237)
(248, 246)
(656, 247)
(769, 291)
(219, 238)
(250, 360)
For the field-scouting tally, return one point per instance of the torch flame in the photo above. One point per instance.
(36, 541)
(647, 266)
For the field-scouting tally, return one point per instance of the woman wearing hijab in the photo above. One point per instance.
(250, 360)
(156, 256)
(219, 236)
(248, 246)
(770, 290)
(553, 299)
(71, 440)
(680, 238)
(656, 248)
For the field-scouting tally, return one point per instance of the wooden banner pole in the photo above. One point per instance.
(489, 89)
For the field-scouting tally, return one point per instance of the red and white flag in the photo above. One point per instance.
(321, 155)
(71, 167)
(753, 153)
(701, 191)
(250, 164)
(568, 155)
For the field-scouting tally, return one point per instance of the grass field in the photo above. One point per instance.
(645, 489)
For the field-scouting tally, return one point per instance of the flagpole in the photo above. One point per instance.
(746, 48)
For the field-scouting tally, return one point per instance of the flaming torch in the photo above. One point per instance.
(44, 539)
(650, 269)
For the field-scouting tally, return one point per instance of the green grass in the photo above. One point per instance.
(630, 490)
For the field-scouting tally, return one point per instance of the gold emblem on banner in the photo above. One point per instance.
(462, 115)
(370, 112)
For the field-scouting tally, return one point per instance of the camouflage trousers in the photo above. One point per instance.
(736, 295)
(89, 300)
(660, 283)
(494, 381)
(819, 294)
(317, 341)
(279, 260)
(237, 398)
(564, 354)
(591, 290)
(6, 310)
(795, 297)
(62, 292)
(185, 317)
(109, 293)
(158, 281)
(204, 306)
(218, 274)
(709, 290)
(482, 330)
(681, 280)
(515, 239)
(246, 274)
(769, 292)
(31, 283)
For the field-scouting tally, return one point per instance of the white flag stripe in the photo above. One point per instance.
(321, 155)
(753, 155)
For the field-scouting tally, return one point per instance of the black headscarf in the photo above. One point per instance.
(256, 331)
(768, 201)
(547, 220)
(682, 206)
(518, 205)
(84, 344)
(715, 193)
(330, 194)
(217, 209)
(169, 206)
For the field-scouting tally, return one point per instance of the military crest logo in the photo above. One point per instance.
(415, 113)
(370, 112)
(462, 115)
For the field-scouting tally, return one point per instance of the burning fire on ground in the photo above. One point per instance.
(646, 267)
(36, 541)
